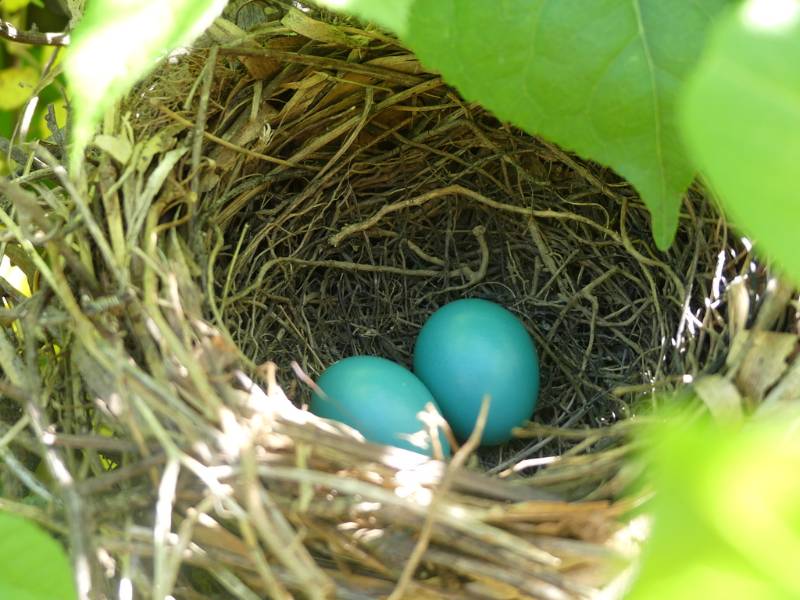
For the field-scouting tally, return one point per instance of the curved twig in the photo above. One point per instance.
(34, 38)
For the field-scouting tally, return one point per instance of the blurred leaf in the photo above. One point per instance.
(6, 123)
(16, 86)
(10, 6)
(727, 512)
(33, 566)
(600, 78)
(761, 513)
(741, 121)
(46, 52)
(119, 41)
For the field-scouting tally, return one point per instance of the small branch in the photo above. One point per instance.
(35, 38)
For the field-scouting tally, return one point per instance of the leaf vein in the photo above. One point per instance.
(656, 108)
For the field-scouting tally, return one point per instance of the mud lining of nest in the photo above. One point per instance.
(297, 195)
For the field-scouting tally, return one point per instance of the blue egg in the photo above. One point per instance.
(377, 397)
(470, 348)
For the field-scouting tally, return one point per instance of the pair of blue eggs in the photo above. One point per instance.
(467, 349)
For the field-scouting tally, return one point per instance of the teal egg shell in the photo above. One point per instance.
(377, 397)
(470, 348)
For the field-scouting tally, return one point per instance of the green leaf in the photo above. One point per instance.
(727, 512)
(600, 78)
(33, 566)
(119, 41)
(741, 121)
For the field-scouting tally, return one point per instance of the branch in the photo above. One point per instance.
(36, 38)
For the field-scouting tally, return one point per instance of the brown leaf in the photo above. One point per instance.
(266, 67)
(261, 67)
(720, 396)
(762, 360)
(787, 389)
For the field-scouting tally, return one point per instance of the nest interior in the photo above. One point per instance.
(395, 196)
(297, 190)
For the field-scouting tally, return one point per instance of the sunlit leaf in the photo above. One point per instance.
(33, 566)
(760, 515)
(10, 6)
(727, 512)
(741, 120)
(16, 86)
(117, 42)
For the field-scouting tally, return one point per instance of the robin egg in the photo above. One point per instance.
(470, 348)
(380, 399)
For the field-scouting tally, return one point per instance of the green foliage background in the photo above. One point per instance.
(33, 566)
(27, 14)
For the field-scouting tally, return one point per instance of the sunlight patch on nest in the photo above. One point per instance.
(409, 486)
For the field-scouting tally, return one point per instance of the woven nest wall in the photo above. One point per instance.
(294, 191)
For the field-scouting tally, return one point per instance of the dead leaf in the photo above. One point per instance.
(301, 23)
(760, 359)
(348, 83)
(787, 389)
(261, 67)
(776, 299)
(266, 67)
(118, 147)
(738, 297)
(720, 396)
(225, 32)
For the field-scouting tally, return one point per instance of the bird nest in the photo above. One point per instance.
(292, 191)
